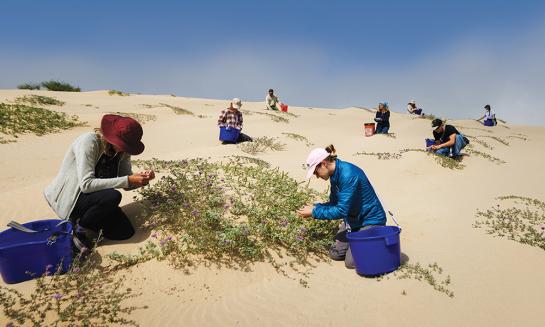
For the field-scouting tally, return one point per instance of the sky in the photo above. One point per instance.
(452, 57)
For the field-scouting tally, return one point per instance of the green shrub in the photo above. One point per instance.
(87, 295)
(116, 92)
(523, 221)
(229, 213)
(59, 86)
(261, 144)
(34, 99)
(16, 119)
(28, 86)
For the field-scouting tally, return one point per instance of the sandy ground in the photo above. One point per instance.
(496, 282)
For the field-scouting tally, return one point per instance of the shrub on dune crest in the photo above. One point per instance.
(53, 85)
(28, 86)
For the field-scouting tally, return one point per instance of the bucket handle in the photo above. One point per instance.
(19, 227)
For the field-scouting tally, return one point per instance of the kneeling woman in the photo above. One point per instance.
(352, 199)
(94, 166)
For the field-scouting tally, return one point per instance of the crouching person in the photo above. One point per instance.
(448, 141)
(352, 199)
(95, 165)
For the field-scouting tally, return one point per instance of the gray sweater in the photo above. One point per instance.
(77, 175)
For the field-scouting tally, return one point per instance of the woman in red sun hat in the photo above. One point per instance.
(95, 165)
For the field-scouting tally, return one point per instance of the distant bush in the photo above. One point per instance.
(116, 92)
(39, 100)
(59, 86)
(28, 86)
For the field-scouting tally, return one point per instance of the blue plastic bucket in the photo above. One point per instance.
(376, 250)
(229, 134)
(23, 254)
(430, 142)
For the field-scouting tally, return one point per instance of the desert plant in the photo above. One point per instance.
(429, 274)
(261, 144)
(274, 118)
(87, 295)
(16, 119)
(485, 155)
(298, 137)
(380, 155)
(28, 86)
(116, 92)
(53, 85)
(142, 118)
(178, 110)
(524, 225)
(229, 213)
(34, 99)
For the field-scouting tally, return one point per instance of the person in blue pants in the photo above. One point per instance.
(448, 140)
(352, 199)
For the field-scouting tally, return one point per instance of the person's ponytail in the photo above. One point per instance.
(332, 153)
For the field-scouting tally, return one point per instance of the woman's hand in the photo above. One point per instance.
(305, 212)
(149, 174)
(138, 180)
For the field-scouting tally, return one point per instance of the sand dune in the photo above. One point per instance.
(496, 281)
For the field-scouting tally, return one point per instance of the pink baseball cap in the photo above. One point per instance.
(314, 158)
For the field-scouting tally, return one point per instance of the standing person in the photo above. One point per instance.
(383, 118)
(489, 117)
(95, 165)
(412, 109)
(352, 199)
(232, 118)
(272, 101)
(448, 141)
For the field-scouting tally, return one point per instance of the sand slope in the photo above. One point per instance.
(496, 282)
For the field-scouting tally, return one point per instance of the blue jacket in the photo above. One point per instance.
(352, 198)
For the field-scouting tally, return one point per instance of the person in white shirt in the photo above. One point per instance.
(272, 101)
(412, 109)
(489, 117)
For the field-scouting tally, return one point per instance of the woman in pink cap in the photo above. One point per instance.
(352, 199)
(95, 165)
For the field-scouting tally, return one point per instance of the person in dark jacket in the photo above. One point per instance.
(383, 118)
(352, 199)
(448, 140)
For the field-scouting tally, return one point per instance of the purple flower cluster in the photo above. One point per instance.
(57, 296)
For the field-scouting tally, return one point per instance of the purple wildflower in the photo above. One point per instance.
(299, 238)
(283, 223)
(169, 238)
(154, 235)
(303, 229)
(57, 296)
(9, 324)
(76, 270)
(195, 213)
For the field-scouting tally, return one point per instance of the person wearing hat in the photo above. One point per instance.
(352, 199)
(95, 165)
(271, 101)
(412, 109)
(232, 117)
(382, 118)
(448, 140)
(489, 117)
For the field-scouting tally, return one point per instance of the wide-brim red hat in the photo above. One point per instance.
(124, 132)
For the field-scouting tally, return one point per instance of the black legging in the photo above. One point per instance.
(100, 211)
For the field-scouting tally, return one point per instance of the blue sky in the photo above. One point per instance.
(452, 57)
